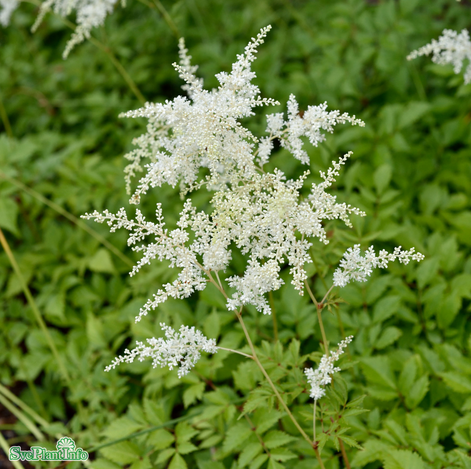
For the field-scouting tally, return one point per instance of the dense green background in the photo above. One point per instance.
(411, 172)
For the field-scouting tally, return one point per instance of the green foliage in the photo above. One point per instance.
(402, 400)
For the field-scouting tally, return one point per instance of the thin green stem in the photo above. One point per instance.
(107, 50)
(22, 418)
(70, 217)
(272, 385)
(314, 420)
(4, 445)
(235, 351)
(167, 18)
(344, 455)
(5, 120)
(319, 307)
(33, 306)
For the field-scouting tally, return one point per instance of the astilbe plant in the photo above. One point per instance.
(198, 141)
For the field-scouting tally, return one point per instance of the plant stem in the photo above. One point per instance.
(344, 455)
(5, 446)
(71, 217)
(314, 420)
(262, 369)
(319, 307)
(272, 385)
(167, 18)
(107, 51)
(33, 306)
(235, 351)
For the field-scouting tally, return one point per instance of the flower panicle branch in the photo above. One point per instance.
(180, 350)
(322, 375)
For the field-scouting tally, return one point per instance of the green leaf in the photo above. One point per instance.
(184, 432)
(212, 326)
(102, 463)
(249, 453)
(282, 454)
(185, 447)
(160, 439)
(8, 215)
(378, 370)
(164, 455)
(385, 308)
(402, 459)
(120, 427)
(272, 464)
(373, 450)
(382, 177)
(236, 435)
(101, 262)
(258, 461)
(125, 452)
(456, 381)
(177, 462)
(276, 438)
(266, 420)
(417, 392)
(153, 411)
(193, 393)
(388, 337)
(414, 109)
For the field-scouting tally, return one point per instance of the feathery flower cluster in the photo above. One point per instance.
(179, 349)
(90, 14)
(200, 141)
(451, 48)
(355, 267)
(7, 7)
(322, 375)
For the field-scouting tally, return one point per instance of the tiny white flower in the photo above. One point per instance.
(354, 266)
(451, 48)
(180, 349)
(321, 376)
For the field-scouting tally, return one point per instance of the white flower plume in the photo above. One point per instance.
(200, 140)
(451, 48)
(321, 376)
(180, 349)
(90, 14)
(354, 266)
(7, 7)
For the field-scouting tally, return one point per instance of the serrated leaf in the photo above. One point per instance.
(417, 392)
(121, 427)
(177, 462)
(236, 435)
(125, 452)
(213, 440)
(248, 454)
(153, 412)
(272, 464)
(185, 447)
(164, 455)
(373, 450)
(160, 439)
(378, 370)
(276, 438)
(350, 441)
(402, 459)
(456, 381)
(184, 432)
(102, 463)
(258, 461)
(282, 454)
(266, 420)
(193, 393)
(388, 337)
